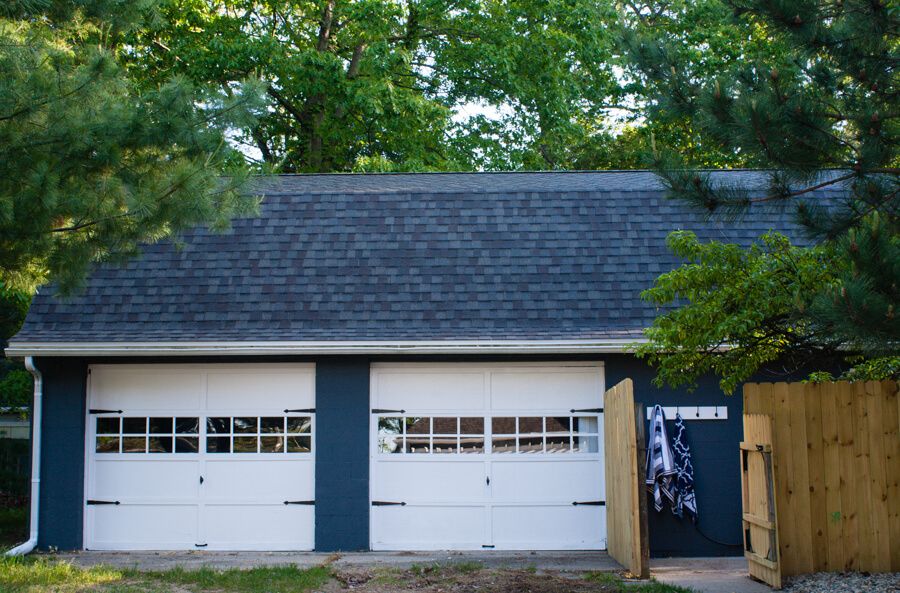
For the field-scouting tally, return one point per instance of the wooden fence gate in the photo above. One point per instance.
(628, 539)
(821, 470)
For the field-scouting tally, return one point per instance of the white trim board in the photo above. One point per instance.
(607, 346)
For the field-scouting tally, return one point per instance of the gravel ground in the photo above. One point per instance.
(830, 582)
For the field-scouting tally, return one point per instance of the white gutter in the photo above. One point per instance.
(322, 347)
(35, 460)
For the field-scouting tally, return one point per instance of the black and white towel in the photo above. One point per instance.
(685, 499)
(660, 461)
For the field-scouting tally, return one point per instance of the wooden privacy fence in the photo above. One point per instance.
(830, 500)
(626, 504)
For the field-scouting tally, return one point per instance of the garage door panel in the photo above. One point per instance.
(169, 446)
(146, 479)
(258, 527)
(131, 526)
(258, 480)
(428, 527)
(431, 390)
(416, 481)
(549, 527)
(542, 389)
(253, 390)
(552, 480)
(538, 451)
(131, 389)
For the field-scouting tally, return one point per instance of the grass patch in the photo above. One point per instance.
(275, 579)
(613, 580)
(26, 575)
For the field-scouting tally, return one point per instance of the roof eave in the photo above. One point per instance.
(235, 348)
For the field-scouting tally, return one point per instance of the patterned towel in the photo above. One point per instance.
(685, 499)
(660, 461)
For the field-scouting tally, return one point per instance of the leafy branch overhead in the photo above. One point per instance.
(820, 120)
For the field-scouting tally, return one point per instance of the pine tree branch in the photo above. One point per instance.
(801, 192)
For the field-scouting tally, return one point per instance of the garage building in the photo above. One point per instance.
(385, 362)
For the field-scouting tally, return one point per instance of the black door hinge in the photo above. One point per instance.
(591, 503)
(385, 503)
(588, 411)
(96, 411)
(200, 545)
(301, 411)
(97, 502)
(307, 502)
(487, 546)
(383, 411)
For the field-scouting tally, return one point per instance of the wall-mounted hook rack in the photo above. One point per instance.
(693, 412)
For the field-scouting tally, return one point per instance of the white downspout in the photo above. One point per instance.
(35, 460)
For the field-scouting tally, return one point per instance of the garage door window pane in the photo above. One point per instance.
(245, 444)
(134, 445)
(159, 444)
(585, 424)
(471, 425)
(471, 444)
(218, 444)
(161, 425)
(271, 425)
(417, 444)
(107, 444)
(418, 425)
(390, 426)
(187, 425)
(218, 425)
(531, 444)
(444, 444)
(186, 444)
(585, 444)
(134, 425)
(296, 444)
(531, 425)
(108, 426)
(503, 444)
(502, 425)
(299, 424)
(269, 444)
(245, 425)
(444, 425)
(388, 444)
(558, 443)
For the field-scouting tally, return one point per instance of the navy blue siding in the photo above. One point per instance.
(62, 454)
(714, 449)
(342, 455)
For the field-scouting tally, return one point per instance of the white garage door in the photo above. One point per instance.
(187, 457)
(468, 456)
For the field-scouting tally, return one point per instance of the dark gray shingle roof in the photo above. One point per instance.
(405, 257)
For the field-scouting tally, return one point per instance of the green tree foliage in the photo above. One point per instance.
(822, 114)
(16, 388)
(93, 164)
(390, 85)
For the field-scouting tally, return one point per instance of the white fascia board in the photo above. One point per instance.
(323, 347)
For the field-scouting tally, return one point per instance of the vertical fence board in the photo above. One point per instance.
(832, 468)
(866, 524)
(815, 465)
(891, 428)
(759, 512)
(836, 461)
(849, 478)
(627, 531)
(881, 557)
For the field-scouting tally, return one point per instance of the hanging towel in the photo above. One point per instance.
(685, 498)
(660, 461)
